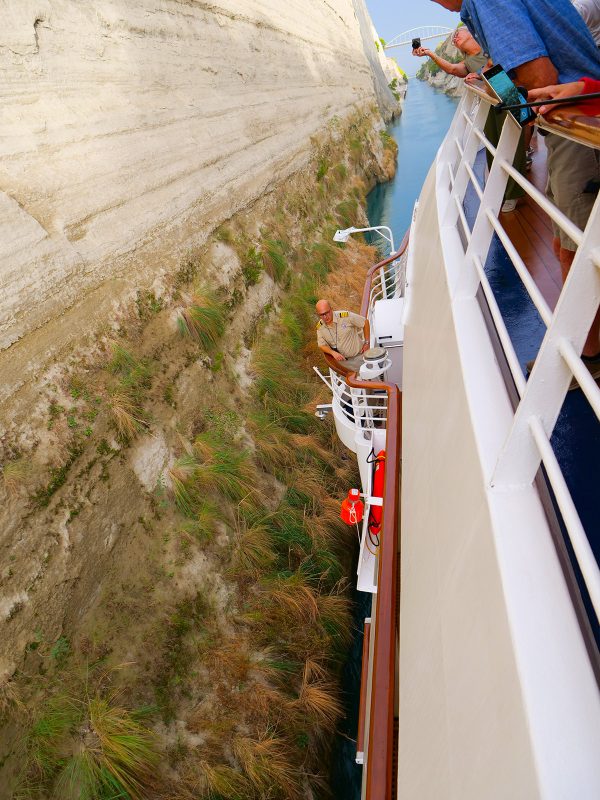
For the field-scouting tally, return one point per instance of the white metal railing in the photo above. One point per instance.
(358, 407)
(389, 282)
(527, 444)
(366, 410)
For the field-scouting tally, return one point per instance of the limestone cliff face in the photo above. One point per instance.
(131, 128)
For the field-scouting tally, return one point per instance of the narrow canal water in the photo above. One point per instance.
(418, 132)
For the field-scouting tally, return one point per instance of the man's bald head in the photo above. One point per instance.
(324, 311)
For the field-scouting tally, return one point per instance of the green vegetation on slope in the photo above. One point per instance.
(226, 614)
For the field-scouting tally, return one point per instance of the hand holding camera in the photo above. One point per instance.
(418, 50)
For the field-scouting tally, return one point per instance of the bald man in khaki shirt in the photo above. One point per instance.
(342, 334)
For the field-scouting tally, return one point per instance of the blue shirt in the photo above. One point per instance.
(514, 32)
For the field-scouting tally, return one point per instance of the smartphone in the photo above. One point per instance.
(416, 43)
(505, 90)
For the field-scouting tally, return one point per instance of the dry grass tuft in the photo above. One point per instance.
(205, 519)
(318, 698)
(220, 782)
(253, 549)
(15, 475)
(203, 319)
(232, 662)
(344, 286)
(121, 745)
(223, 468)
(325, 527)
(273, 445)
(275, 259)
(207, 470)
(181, 475)
(262, 702)
(81, 749)
(311, 444)
(295, 597)
(309, 482)
(335, 616)
(126, 414)
(266, 762)
(10, 699)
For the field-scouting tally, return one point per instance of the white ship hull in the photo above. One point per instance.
(497, 694)
(495, 687)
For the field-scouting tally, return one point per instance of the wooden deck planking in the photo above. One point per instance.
(530, 230)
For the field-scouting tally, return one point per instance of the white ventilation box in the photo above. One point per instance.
(388, 319)
(388, 329)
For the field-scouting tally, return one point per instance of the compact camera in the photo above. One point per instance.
(416, 43)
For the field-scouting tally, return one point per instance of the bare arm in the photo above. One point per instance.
(326, 349)
(367, 335)
(536, 73)
(452, 69)
(561, 91)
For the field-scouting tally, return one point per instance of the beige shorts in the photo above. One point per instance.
(571, 167)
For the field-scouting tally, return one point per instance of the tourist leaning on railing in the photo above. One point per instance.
(590, 108)
(543, 43)
(474, 61)
(564, 90)
(474, 58)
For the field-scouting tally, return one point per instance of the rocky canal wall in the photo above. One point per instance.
(132, 129)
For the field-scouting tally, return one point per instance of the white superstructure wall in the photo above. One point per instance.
(497, 698)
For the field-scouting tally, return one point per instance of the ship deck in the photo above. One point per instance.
(530, 231)
(576, 438)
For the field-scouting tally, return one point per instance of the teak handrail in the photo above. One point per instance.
(379, 757)
(362, 705)
(379, 760)
(379, 779)
(364, 307)
(572, 121)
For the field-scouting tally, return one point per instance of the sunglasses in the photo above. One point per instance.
(324, 313)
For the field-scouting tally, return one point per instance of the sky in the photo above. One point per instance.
(392, 17)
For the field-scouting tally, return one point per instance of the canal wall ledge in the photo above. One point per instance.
(131, 130)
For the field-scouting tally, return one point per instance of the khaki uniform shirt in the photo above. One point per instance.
(475, 63)
(345, 334)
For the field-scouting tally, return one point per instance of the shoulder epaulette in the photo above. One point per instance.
(319, 323)
(343, 314)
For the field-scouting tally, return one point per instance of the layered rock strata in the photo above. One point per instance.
(131, 129)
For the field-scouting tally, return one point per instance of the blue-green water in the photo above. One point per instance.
(419, 132)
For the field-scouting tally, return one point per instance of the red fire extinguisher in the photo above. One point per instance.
(376, 512)
(353, 508)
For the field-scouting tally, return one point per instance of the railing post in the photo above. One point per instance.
(458, 126)
(549, 381)
(382, 278)
(461, 178)
(467, 281)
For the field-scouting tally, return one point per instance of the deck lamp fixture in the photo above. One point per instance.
(323, 410)
(343, 236)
